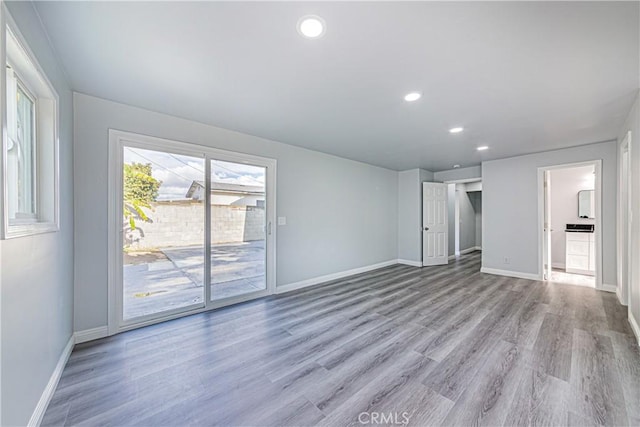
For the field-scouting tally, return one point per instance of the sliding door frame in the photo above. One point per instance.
(117, 141)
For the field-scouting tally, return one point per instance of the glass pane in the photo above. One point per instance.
(26, 141)
(163, 232)
(21, 152)
(238, 218)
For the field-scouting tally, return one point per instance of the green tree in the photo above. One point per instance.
(140, 189)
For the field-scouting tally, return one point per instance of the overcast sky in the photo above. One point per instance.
(177, 172)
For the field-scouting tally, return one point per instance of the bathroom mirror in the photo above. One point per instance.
(586, 204)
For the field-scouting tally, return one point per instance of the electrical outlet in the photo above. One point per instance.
(507, 260)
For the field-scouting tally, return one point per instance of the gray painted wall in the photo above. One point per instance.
(341, 214)
(467, 218)
(37, 271)
(458, 174)
(410, 213)
(633, 124)
(510, 205)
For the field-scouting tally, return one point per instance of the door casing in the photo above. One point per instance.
(542, 250)
(624, 220)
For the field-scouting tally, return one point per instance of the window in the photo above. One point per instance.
(30, 145)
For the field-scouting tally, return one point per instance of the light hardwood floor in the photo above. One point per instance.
(445, 345)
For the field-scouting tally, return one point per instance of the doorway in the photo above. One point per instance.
(465, 216)
(467, 224)
(571, 224)
(190, 229)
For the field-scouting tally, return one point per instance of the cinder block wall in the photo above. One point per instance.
(177, 224)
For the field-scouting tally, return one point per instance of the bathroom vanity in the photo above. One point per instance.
(580, 249)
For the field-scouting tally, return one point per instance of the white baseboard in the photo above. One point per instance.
(469, 250)
(321, 279)
(634, 326)
(510, 273)
(47, 394)
(409, 262)
(620, 297)
(465, 251)
(609, 288)
(91, 334)
(559, 265)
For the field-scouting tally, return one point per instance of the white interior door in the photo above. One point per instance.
(547, 225)
(435, 227)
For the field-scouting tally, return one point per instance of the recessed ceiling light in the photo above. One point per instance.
(456, 130)
(311, 26)
(483, 147)
(413, 96)
(456, 166)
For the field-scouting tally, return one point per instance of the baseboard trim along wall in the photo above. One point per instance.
(635, 327)
(91, 334)
(465, 251)
(409, 262)
(509, 273)
(334, 276)
(609, 288)
(620, 297)
(469, 250)
(47, 394)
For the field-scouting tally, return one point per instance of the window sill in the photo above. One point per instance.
(24, 230)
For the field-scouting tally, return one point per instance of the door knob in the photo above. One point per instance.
(426, 229)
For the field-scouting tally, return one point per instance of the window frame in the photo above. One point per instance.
(45, 130)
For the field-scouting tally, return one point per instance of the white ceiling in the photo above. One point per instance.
(520, 77)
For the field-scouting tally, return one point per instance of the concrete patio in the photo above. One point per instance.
(177, 281)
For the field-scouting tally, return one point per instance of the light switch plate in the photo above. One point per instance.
(282, 220)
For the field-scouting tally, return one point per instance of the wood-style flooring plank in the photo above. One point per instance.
(552, 349)
(487, 398)
(445, 345)
(627, 354)
(398, 393)
(540, 400)
(597, 390)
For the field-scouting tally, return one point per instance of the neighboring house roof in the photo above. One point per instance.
(223, 187)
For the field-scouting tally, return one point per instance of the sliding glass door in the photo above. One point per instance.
(238, 229)
(192, 229)
(163, 233)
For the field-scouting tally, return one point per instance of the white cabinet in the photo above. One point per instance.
(580, 253)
